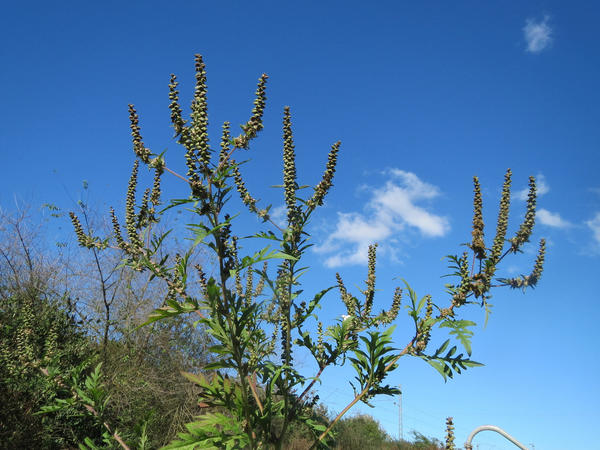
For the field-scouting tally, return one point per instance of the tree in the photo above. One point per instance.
(255, 393)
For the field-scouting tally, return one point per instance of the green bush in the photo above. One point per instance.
(36, 332)
(360, 432)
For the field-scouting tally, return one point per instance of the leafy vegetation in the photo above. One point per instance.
(37, 328)
(250, 307)
(52, 345)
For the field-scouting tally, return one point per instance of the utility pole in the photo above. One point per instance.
(400, 431)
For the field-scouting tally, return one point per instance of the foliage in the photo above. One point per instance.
(143, 377)
(142, 366)
(253, 392)
(37, 328)
(124, 404)
(420, 441)
(48, 324)
(44, 334)
(359, 432)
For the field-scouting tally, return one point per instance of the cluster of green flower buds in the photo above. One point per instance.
(501, 226)
(348, 300)
(198, 131)
(369, 292)
(326, 182)
(84, 239)
(274, 336)
(320, 350)
(359, 313)
(247, 199)
(201, 278)
(387, 317)
(478, 283)
(290, 184)
(176, 113)
(478, 244)
(25, 343)
(254, 124)
(449, 434)
(131, 222)
(522, 282)
(225, 144)
(139, 148)
(261, 282)
(526, 227)
(460, 295)
(424, 328)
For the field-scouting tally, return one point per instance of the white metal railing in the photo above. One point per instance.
(469, 446)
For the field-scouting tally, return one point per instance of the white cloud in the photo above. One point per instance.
(540, 184)
(551, 219)
(390, 210)
(279, 215)
(594, 225)
(538, 35)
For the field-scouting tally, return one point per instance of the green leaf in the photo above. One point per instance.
(219, 349)
(461, 331)
(267, 235)
(178, 202)
(262, 255)
(470, 363)
(488, 311)
(198, 379)
(442, 348)
(200, 231)
(220, 364)
(440, 367)
(172, 309)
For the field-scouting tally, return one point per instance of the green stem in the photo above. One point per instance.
(226, 309)
(288, 350)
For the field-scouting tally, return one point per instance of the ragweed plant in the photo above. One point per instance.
(254, 393)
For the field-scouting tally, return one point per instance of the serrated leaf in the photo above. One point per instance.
(461, 331)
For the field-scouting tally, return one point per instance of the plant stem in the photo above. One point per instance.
(176, 174)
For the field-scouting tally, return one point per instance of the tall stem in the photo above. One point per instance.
(237, 354)
(288, 348)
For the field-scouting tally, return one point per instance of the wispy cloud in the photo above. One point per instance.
(594, 225)
(538, 35)
(391, 209)
(551, 219)
(279, 215)
(540, 184)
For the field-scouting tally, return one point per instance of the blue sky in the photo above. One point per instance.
(423, 95)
